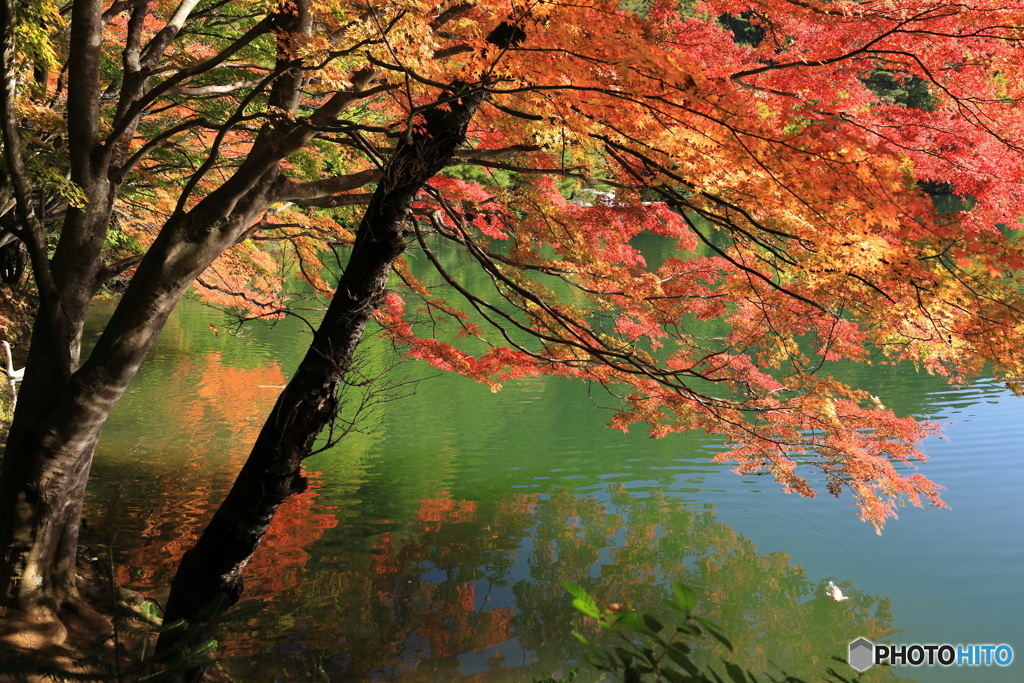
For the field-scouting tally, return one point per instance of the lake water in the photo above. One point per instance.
(433, 546)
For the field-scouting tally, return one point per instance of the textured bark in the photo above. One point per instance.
(47, 461)
(209, 578)
(62, 407)
(33, 511)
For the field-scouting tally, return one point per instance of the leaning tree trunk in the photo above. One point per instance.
(209, 578)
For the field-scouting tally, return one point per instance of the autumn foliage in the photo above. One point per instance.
(791, 191)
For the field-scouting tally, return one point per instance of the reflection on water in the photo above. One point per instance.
(434, 546)
(467, 587)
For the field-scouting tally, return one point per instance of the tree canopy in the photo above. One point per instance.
(172, 144)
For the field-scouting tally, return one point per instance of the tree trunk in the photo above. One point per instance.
(209, 578)
(40, 498)
(62, 407)
(49, 451)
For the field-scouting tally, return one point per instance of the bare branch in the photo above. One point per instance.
(345, 98)
(214, 153)
(515, 112)
(116, 268)
(84, 87)
(155, 49)
(563, 172)
(212, 89)
(492, 154)
(119, 7)
(293, 191)
(133, 41)
(158, 141)
(444, 53)
(127, 120)
(450, 14)
(356, 199)
(240, 295)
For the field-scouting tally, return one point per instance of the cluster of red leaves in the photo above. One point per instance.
(790, 190)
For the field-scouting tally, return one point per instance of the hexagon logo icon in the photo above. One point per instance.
(862, 654)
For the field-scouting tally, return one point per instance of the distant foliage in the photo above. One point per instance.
(906, 90)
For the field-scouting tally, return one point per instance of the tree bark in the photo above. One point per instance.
(46, 464)
(57, 424)
(62, 407)
(209, 578)
(66, 288)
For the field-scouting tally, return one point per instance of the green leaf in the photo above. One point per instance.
(715, 633)
(653, 624)
(625, 655)
(735, 672)
(682, 660)
(207, 647)
(576, 590)
(583, 602)
(179, 625)
(672, 676)
(591, 650)
(587, 607)
(634, 621)
(148, 611)
(685, 596)
(689, 628)
(675, 605)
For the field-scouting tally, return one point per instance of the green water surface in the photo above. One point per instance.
(432, 546)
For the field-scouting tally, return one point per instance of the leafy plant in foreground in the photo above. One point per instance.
(651, 651)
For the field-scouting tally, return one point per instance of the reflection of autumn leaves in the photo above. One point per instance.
(466, 581)
(434, 511)
(455, 580)
(768, 606)
(231, 397)
(449, 616)
(283, 554)
(222, 408)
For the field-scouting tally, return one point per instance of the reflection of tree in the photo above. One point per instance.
(284, 552)
(463, 587)
(456, 584)
(218, 407)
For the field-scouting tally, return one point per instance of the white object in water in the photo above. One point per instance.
(12, 374)
(835, 593)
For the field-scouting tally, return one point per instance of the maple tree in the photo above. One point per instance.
(169, 141)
